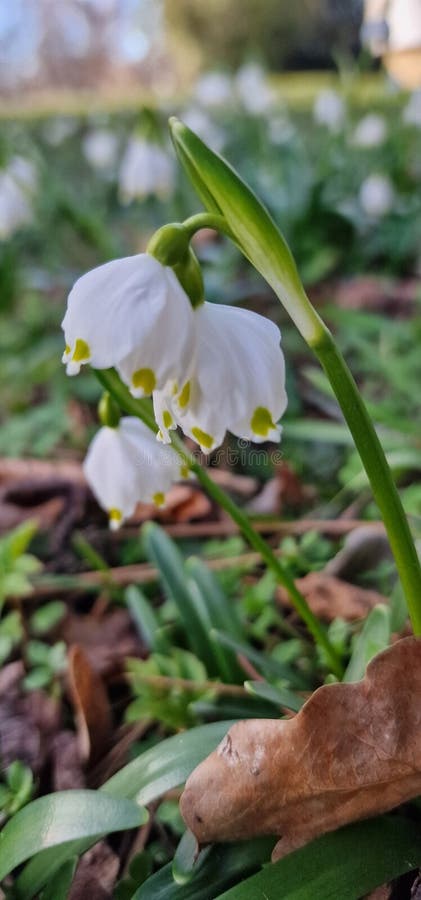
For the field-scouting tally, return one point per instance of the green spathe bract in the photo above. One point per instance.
(223, 192)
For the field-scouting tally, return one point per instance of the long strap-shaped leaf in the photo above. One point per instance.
(346, 864)
(62, 817)
(159, 769)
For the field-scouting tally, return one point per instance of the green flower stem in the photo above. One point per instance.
(142, 409)
(373, 458)
(207, 220)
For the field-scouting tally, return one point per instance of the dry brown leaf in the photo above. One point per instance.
(331, 598)
(90, 701)
(96, 874)
(106, 642)
(353, 751)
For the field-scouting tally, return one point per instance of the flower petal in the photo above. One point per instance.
(117, 313)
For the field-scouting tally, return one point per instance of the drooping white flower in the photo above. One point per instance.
(371, 131)
(125, 466)
(329, 110)
(214, 89)
(253, 89)
(131, 313)
(18, 183)
(146, 168)
(412, 112)
(237, 384)
(100, 148)
(376, 196)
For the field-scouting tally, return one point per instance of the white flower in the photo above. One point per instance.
(329, 110)
(100, 148)
(131, 313)
(253, 90)
(237, 384)
(146, 168)
(371, 131)
(18, 183)
(412, 112)
(281, 130)
(125, 465)
(58, 129)
(214, 89)
(376, 196)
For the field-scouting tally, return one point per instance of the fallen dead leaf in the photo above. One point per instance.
(106, 642)
(96, 874)
(90, 701)
(66, 763)
(331, 598)
(353, 751)
(364, 548)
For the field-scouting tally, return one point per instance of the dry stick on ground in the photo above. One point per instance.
(144, 573)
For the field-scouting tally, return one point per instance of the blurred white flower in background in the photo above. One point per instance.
(58, 129)
(100, 148)
(125, 466)
(412, 112)
(281, 130)
(371, 131)
(252, 87)
(200, 122)
(146, 168)
(18, 184)
(329, 110)
(376, 196)
(214, 89)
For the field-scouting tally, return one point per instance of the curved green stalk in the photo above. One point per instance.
(227, 196)
(143, 410)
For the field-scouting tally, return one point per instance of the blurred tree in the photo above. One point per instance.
(281, 33)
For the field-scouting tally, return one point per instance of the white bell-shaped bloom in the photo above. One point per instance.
(100, 148)
(146, 168)
(131, 313)
(18, 182)
(376, 196)
(329, 110)
(237, 384)
(125, 466)
(253, 89)
(371, 131)
(214, 89)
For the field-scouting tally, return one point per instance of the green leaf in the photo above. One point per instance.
(145, 619)
(59, 886)
(146, 778)
(193, 614)
(187, 861)
(224, 865)
(372, 639)
(220, 615)
(347, 864)
(61, 817)
(47, 617)
(278, 696)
